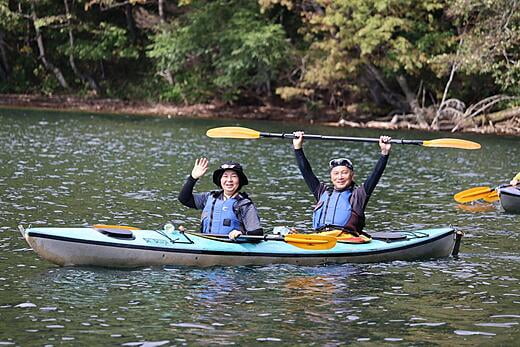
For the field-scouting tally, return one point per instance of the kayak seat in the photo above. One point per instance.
(388, 236)
(353, 239)
(121, 234)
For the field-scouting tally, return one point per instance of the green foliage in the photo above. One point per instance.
(226, 45)
(8, 18)
(133, 87)
(395, 36)
(48, 84)
(50, 20)
(21, 79)
(490, 40)
(317, 53)
(110, 3)
(105, 42)
(191, 87)
(416, 40)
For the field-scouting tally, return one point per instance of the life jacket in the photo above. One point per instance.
(333, 209)
(219, 216)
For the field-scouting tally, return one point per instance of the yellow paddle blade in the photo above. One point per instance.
(353, 239)
(451, 143)
(344, 237)
(334, 233)
(492, 197)
(310, 241)
(107, 226)
(233, 133)
(472, 194)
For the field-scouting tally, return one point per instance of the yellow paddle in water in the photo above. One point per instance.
(486, 193)
(246, 133)
(492, 197)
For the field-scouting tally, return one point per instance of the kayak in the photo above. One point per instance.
(510, 199)
(131, 247)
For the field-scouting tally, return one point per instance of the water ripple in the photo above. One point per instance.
(65, 169)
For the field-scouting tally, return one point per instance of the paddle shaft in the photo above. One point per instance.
(266, 237)
(245, 133)
(261, 237)
(340, 138)
(298, 240)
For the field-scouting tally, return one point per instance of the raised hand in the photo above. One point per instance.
(298, 139)
(200, 168)
(384, 144)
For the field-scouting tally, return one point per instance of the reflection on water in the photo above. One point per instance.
(426, 302)
(63, 169)
(477, 207)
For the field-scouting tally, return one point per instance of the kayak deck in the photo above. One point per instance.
(89, 246)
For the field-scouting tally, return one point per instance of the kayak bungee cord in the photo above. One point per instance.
(170, 228)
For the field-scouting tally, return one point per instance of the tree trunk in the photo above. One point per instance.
(435, 122)
(130, 22)
(380, 91)
(85, 78)
(495, 117)
(166, 73)
(454, 68)
(499, 116)
(39, 40)
(160, 6)
(4, 64)
(411, 99)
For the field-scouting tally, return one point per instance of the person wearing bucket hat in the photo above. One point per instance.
(233, 166)
(227, 210)
(342, 204)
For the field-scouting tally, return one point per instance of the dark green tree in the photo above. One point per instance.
(225, 49)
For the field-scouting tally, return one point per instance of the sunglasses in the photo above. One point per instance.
(231, 166)
(341, 162)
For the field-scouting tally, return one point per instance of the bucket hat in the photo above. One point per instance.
(230, 165)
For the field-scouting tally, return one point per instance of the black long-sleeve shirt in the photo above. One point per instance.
(359, 197)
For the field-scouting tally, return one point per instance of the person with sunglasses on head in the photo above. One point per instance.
(227, 210)
(342, 204)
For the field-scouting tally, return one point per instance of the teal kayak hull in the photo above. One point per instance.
(89, 247)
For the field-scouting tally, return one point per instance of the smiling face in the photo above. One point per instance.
(229, 182)
(341, 177)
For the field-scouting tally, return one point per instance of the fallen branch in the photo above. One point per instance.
(471, 117)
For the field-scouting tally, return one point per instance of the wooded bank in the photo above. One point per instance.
(436, 64)
(214, 111)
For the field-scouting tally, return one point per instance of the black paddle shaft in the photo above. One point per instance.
(340, 138)
(250, 237)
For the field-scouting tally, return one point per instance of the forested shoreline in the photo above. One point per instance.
(433, 65)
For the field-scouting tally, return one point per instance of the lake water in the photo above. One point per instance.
(64, 169)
